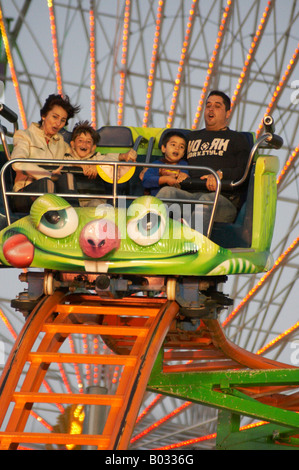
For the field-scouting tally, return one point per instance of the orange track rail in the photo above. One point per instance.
(135, 329)
(55, 318)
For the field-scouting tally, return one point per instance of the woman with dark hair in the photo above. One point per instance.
(61, 101)
(42, 141)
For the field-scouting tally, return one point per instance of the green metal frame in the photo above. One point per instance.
(265, 197)
(220, 390)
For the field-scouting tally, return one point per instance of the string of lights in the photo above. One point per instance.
(278, 338)
(8, 324)
(287, 166)
(92, 59)
(76, 367)
(64, 378)
(12, 69)
(161, 421)
(146, 410)
(182, 62)
(260, 283)
(153, 66)
(55, 46)
(212, 62)
(251, 53)
(189, 442)
(124, 57)
(85, 351)
(280, 87)
(96, 346)
(207, 437)
(41, 420)
(49, 390)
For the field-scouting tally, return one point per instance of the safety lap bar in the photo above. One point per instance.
(114, 196)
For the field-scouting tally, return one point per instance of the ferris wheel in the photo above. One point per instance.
(152, 64)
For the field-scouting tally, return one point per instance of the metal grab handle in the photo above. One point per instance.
(8, 114)
(273, 141)
(12, 117)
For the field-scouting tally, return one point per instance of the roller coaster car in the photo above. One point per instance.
(131, 245)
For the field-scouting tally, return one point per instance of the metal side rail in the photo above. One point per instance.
(114, 197)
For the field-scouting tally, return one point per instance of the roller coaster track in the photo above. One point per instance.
(57, 317)
(155, 353)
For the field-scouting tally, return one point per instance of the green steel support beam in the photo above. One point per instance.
(263, 437)
(218, 390)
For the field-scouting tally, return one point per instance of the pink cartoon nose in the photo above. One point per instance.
(99, 237)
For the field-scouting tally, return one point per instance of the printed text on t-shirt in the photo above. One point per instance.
(197, 148)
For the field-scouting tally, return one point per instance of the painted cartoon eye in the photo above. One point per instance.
(53, 216)
(59, 223)
(146, 223)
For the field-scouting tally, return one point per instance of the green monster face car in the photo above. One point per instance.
(139, 240)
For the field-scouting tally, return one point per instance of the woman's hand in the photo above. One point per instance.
(56, 173)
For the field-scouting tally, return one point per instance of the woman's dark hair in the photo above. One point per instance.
(63, 102)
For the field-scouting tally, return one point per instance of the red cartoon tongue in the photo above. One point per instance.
(18, 251)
